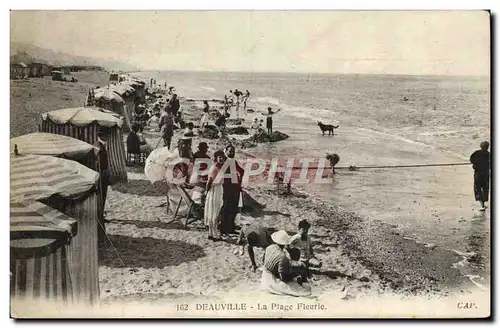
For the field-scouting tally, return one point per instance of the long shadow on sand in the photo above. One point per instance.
(167, 224)
(332, 274)
(137, 187)
(256, 212)
(147, 252)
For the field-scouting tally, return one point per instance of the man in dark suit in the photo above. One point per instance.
(480, 160)
(105, 181)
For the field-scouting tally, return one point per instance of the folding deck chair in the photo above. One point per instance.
(194, 212)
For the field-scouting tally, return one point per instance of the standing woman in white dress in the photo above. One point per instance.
(214, 193)
(204, 117)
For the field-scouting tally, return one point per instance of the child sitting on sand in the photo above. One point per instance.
(298, 268)
(256, 126)
(303, 242)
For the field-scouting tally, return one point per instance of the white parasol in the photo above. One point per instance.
(162, 170)
(162, 167)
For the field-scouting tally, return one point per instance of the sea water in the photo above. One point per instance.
(383, 120)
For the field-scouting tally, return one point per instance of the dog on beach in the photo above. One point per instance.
(327, 127)
(333, 159)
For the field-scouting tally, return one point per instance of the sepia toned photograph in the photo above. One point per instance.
(250, 164)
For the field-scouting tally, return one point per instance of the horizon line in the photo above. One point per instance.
(133, 67)
(295, 72)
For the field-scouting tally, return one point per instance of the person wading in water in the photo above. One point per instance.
(480, 160)
(269, 119)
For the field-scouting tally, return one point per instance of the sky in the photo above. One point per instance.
(345, 42)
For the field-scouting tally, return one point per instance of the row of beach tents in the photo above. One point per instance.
(57, 203)
(120, 97)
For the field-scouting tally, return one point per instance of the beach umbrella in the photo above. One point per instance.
(157, 165)
(39, 243)
(159, 161)
(40, 143)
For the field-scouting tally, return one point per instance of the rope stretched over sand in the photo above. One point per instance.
(354, 168)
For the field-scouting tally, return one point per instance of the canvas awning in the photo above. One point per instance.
(34, 177)
(40, 143)
(135, 82)
(30, 221)
(82, 116)
(108, 94)
(123, 88)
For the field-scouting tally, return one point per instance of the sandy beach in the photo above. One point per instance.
(153, 257)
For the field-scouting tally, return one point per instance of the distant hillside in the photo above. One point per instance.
(27, 53)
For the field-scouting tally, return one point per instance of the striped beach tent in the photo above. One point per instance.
(83, 123)
(40, 143)
(70, 188)
(139, 86)
(118, 99)
(40, 259)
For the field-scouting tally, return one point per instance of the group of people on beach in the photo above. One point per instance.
(235, 98)
(287, 260)
(153, 84)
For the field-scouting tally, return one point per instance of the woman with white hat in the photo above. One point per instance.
(277, 276)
